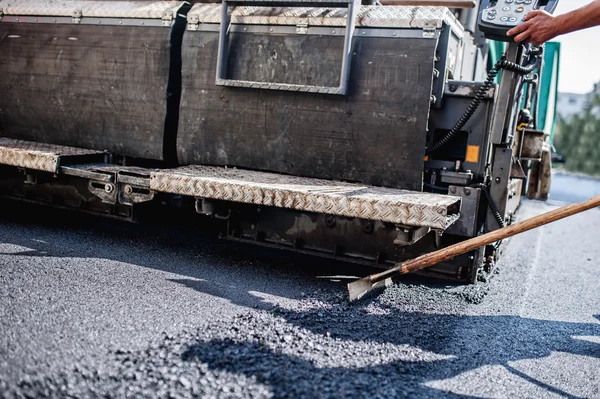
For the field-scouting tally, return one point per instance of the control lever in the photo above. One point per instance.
(496, 17)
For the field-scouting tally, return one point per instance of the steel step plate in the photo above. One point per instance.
(311, 195)
(43, 157)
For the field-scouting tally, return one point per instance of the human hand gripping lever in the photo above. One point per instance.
(539, 26)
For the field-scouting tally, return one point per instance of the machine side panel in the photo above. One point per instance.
(94, 87)
(374, 135)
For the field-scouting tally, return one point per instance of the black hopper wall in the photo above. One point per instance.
(374, 135)
(89, 86)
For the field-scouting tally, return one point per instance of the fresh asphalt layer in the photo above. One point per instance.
(91, 307)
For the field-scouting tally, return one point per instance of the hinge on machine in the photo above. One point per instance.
(192, 23)
(167, 19)
(302, 28)
(76, 16)
(429, 32)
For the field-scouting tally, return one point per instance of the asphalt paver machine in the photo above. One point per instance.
(365, 132)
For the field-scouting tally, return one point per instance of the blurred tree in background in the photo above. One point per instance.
(578, 139)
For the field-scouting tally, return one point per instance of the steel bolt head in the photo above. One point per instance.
(330, 221)
(128, 190)
(109, 188)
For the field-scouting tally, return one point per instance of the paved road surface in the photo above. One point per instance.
(569, 188)
(91, 308)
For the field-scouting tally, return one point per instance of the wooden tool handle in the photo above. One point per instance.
(460, 248)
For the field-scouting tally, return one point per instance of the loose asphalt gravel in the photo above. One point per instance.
(92, 308)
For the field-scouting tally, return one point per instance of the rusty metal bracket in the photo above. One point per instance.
(193, 23)
(105, 191)
(531, 144)
(205, 206)
(408, 235)
(466, 225)
(429, 33)
(302, 28)
(130, 194)
(76, 16)
(456, 177)
(134, 185)
(167, 18)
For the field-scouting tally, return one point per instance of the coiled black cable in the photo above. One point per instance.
(491, 203)
(493, 208)
(502, 63)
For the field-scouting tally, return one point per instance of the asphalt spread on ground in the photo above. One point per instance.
(94, 308)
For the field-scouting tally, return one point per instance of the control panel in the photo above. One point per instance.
(496, 17)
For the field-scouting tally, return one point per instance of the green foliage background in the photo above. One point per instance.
(578, 139)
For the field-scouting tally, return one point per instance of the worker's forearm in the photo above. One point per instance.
(582, 18)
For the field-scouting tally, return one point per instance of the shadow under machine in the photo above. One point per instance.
(370, 133)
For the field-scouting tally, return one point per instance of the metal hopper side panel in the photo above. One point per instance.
(100, 85)
(373, 135)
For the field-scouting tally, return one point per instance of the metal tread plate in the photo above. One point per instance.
(109, 172)
(40, 156)
(95, 9)
(311, 195)
(279, 86)
(292, 3)
(275, 2)
(367, 16)
(111, 168)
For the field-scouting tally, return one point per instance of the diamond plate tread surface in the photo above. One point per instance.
(367, 16)
(37, 156)
(279, 86)
(95, 9)
(108, 168)
(294, 1)
(311, 195)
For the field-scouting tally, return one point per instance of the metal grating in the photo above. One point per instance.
(311, 195)
(39, 156)
(96, 9)
(367, 16)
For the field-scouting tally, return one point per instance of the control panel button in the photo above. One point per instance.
(512, 19)
(491, 17)
(504, 19)
(520, 9)
(506, 9)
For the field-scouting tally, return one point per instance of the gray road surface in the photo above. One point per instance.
(91, 308)
(567, 187)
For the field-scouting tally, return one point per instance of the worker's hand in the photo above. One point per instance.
(538, 27)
